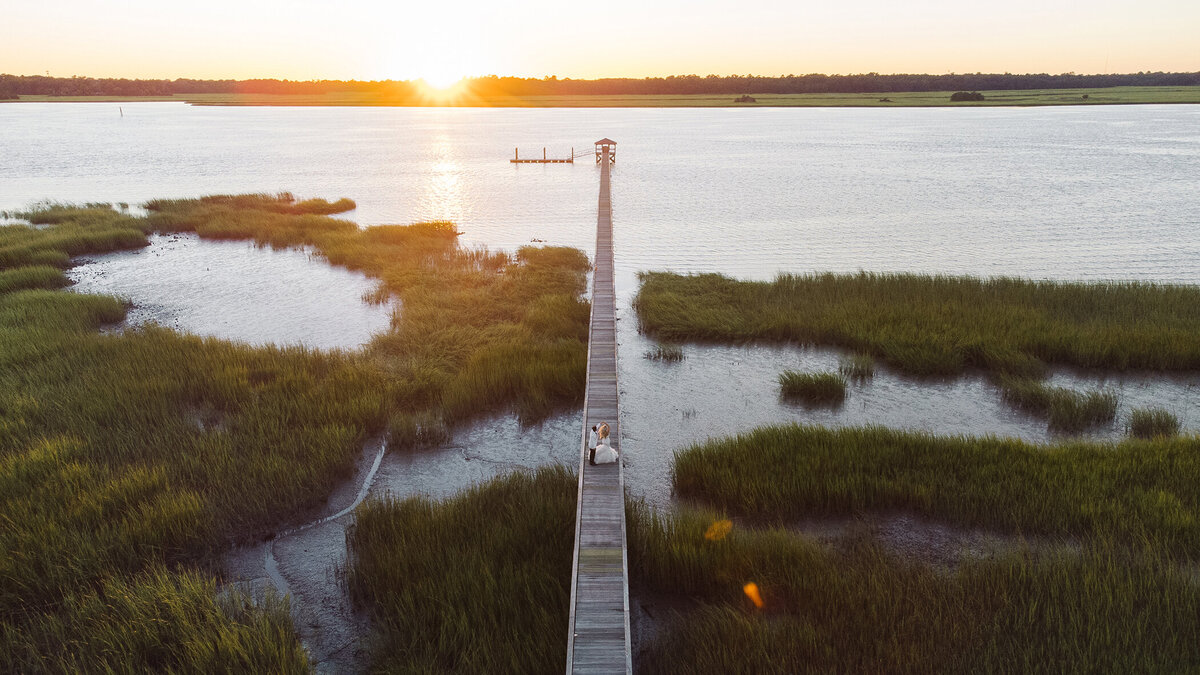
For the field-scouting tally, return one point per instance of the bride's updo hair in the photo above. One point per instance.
(604, 430)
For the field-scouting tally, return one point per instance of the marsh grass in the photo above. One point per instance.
(937, 325)
(479, 583)
(1065, 409)
(668, 353)
(424, 429)
(105, 475)
(1132, 491)
(158, 621)
(1152, 423)
(857, 366)
(812, 388)
(281, 202)
(857, 607)
(32, 276)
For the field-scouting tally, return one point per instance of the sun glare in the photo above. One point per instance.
(441, 81)
(448, 90)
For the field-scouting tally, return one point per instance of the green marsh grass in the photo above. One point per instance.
(107, 477)
(31, 276)
(857, 366)
(1132, 491)
(812, 388)
(856, 607)
(1065, 409)
(479, 583)
(282, 202)
(669, 353)
(420, 430)
(1152, 423)
(158, 621)
(937, 325)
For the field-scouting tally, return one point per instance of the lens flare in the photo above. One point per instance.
(718, 530)
(751, 590)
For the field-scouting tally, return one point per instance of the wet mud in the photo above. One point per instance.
(307, 562)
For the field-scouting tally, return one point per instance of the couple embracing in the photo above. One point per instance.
(599, 450)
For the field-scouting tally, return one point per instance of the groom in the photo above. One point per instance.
(593, 441)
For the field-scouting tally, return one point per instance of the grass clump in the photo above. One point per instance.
(857, 366)
(1133, 491)
(813, 388)
(1152, 423)
(424, 429)
(1066, 409)
(479, 583)
(282, 202)
(858, 608)
(668, 353)
(107, 478)
(937, 325)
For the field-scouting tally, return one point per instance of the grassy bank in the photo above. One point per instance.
(151, 450)
(478, 584)
(1027, 97)
(1133, 491)
(934, 325)
(858, 608)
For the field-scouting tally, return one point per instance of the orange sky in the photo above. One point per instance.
(305, 39)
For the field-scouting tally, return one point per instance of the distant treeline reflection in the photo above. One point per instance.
(37, 85)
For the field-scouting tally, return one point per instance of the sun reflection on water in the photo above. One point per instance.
(444, 197)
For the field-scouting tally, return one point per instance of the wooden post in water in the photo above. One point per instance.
(598, 640)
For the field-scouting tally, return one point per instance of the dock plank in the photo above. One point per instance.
(598, 640)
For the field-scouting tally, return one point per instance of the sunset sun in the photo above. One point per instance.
(445, 89)
(442, 80)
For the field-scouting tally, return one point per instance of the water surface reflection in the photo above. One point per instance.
(237, 291)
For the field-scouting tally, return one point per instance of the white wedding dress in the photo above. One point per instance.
(605, 453)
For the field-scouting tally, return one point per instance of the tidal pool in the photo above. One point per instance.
(237, 291)
(721, 390)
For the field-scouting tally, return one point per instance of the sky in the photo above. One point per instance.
(442, 40)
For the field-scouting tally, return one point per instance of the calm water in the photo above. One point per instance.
(1063, 193)
(237, 291)
(1095, 192)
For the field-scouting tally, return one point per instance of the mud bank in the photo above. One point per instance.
(307, 561)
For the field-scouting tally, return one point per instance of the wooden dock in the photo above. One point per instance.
(544, 160)
(598, 641)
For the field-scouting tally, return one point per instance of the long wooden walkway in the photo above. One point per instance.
(598, 641)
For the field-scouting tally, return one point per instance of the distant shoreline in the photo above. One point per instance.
(924, 99)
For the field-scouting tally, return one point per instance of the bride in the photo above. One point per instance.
(605, 454)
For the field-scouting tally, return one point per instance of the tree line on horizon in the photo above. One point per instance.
(13, 86)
